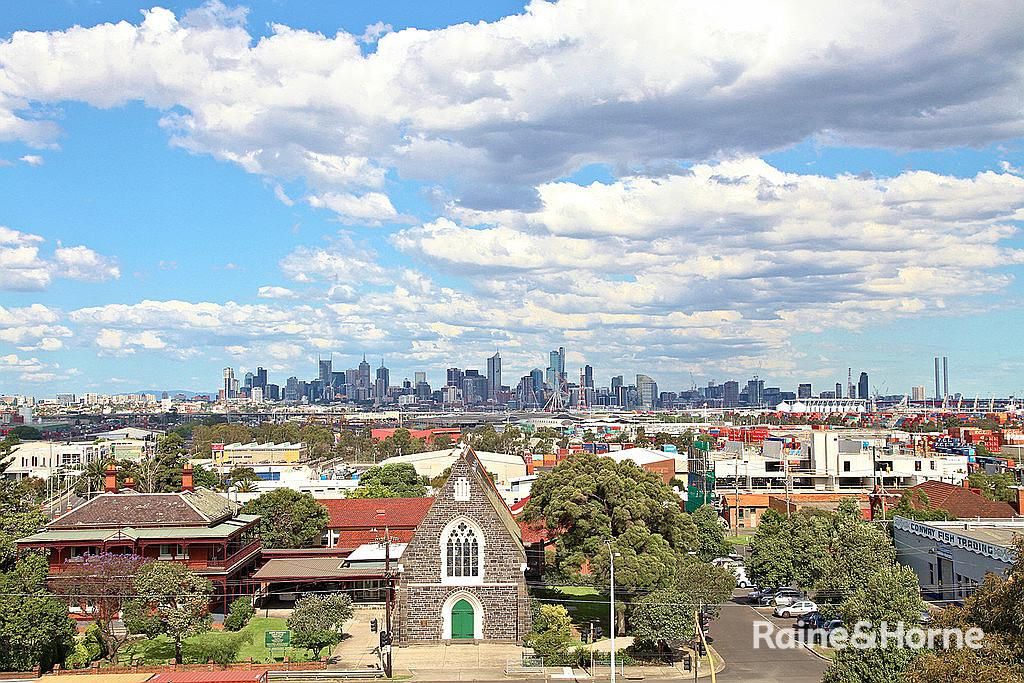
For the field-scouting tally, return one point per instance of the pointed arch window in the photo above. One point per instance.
(462, 552)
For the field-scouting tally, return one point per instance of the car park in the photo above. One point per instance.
(796, 609)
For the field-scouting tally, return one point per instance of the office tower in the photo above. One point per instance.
(249, 380)
(648, 390)
(537, 377)
(363, 381)
(945, 376)
(917, 393)
(617, 391)
(352, 380)
(494, 376)
(839, 390)
(851, 391)
(474, 387)
(229, 383)
(325, 371)
(291, 389)
(731, 394)
(755, 392)
(260, 380)
(419, 377)
(862, 386)
(938, 387)
(455, 377)
(803, 391)
(383, 381)
(588, 376)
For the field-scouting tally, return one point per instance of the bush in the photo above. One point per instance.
(79, 657)
(93, 642)
(239, 614)
(221, 648)
(139, 619)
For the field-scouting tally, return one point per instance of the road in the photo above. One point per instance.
(733, 634)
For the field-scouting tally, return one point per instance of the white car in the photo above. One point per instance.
(727, 561)
(798, 608)
(742, 580)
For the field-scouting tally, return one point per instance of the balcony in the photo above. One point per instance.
(242, 552)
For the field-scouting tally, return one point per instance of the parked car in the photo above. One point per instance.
(926, 616)
(831, 626)
(761, 593)
(726, 560)
(742, 580)
(811, 620)
(784, 596)
(796, 609)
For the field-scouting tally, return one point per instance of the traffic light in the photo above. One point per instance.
(701, 650)
(687, 662)
(373, 625)
(385, 638)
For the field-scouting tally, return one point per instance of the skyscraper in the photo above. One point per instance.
(419, 377)
(588, 376)
(230, 383)
(803, 391)
(730, 394)
(938, 387)
(291, 389)
(945, 376)
(455, 377)
(648, 390)
(617, 391)
(494, 376)
(383, 382)
(862, 386)
(537, 377)
(839, 390)
(363, 372)
(917, 393)
(260, 380)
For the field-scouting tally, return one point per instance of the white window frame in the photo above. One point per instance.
(481, 553)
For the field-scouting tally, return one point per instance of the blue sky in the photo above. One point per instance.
(670, 190)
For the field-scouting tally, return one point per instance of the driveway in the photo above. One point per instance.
(733, 634)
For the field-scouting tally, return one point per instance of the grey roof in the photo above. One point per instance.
(110, 533)
(311, 568)
(201, 507)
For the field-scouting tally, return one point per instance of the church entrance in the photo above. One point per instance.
(462, 620)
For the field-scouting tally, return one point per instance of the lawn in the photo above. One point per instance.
(585, 604)
(161, 648)
(742, 539)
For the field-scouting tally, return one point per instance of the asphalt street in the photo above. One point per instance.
(733, 634)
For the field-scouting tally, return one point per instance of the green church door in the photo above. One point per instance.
(462, 620)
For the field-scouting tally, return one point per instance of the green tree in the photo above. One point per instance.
(394, 480)
(441, 442)
(891, 595)
(20, 516)
(666, 617)
(105, 581)
(771, 553)
(318, 620)
(239, 613)
(289, 519)
(710, 533)
(178, 598)
(592, 499)
(34, 626)
(996, 486)
(551, 635)
(26, 433)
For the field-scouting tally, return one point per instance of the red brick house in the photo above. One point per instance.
(196, 527)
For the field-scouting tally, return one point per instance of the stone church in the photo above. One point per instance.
(462, 574)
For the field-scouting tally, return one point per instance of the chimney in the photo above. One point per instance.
(186, 478)
(110, 479)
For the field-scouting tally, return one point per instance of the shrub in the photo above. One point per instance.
(221, 648)
(239, 614)
(79, 657)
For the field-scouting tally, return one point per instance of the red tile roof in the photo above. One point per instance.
(368, 513)
(518, 506)
(230, 676)
(534, 532)
(963, 503)
(355, 538)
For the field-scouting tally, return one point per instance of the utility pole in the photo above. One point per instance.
(736, 499)
(611, 608)
(388, 597)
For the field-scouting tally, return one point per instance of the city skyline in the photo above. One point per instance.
(158, 224)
